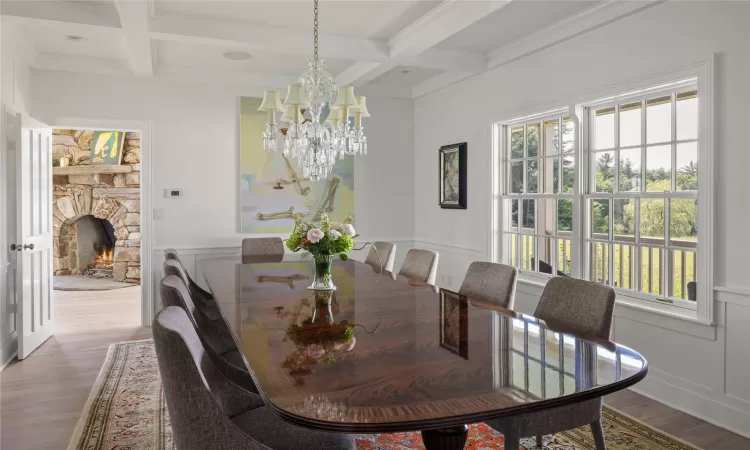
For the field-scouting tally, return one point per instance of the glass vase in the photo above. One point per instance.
(322, 278)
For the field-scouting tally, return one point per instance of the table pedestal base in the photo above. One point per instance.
(451, 438)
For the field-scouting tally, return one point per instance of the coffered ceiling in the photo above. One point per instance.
(400, 48)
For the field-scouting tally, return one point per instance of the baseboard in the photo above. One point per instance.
(8, 352)
(704, 408)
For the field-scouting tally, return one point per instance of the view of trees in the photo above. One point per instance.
(684, 220)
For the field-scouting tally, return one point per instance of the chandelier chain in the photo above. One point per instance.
(315, 31)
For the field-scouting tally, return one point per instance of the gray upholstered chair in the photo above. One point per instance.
(420, 265)
(262, 250)
(208, 411)
(215, 335)
(381, 256)
(574, 306)
(202, 299)
(491, 282)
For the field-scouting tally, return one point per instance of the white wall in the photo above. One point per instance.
(195, 142)
(196, 148)
(14, 69)
(703, 370)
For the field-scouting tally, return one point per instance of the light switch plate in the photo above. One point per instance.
(158, 213)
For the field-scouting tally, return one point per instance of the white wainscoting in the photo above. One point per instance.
(191, 257)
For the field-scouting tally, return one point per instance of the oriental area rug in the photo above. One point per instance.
(126, 411)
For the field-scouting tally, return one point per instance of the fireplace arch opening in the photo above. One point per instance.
(89, 243)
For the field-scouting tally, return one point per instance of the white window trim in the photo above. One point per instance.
(703, 73)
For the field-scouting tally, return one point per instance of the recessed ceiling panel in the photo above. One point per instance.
(51, 40)
(92, 12)
(512, 22)
(363, 19)
(405, 76)
(212, 57)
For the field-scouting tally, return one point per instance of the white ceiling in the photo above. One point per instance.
(513, 22)
(400, 48)
(359, 18)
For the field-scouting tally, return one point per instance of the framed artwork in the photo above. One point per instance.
(454, 323)
(273, 188)
(452, 181)
(106, 147)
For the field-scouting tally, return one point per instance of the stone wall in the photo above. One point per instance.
(111, 196)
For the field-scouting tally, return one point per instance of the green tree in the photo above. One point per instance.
(687, 177)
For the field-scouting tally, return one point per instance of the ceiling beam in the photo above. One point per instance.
(442, 22)
(242, 36)
(413, 46)
(134, 20)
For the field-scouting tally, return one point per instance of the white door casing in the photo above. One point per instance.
(34, 299)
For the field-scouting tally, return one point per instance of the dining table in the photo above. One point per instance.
(383, 353)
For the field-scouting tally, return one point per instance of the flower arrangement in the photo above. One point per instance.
(322, 239)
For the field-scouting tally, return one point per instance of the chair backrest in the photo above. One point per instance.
(171, 253)
(175, 267)
(491, 282)
(420, 265)
(262, 249)
(578, 306)
(174, 292)
(200, 400)
(381, 256)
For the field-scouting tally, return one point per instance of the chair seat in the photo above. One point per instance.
(268, 429)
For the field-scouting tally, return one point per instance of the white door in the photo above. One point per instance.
(33, 245)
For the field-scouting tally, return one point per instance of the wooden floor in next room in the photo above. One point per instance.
(43, 396)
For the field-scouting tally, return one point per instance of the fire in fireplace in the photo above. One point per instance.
(98, 236)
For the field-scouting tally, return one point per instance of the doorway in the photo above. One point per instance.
(96, 206)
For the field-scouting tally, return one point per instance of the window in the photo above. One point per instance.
(622, 206)
(642, 201)
(540, 194)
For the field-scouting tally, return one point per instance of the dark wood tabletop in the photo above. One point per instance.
(383, 353)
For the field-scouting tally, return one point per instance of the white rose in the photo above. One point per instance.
(338, 226)
(334, 234)
(349, 229)
(314, 235)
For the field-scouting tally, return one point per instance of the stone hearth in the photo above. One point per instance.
(81, 191)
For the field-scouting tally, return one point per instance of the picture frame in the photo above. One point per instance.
(107, 147)
(452, 176)
(454, 323)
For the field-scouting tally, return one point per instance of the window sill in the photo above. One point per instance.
(681, 320)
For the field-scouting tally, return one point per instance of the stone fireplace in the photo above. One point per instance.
(96, 210)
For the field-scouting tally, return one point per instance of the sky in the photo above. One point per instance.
(658, 126)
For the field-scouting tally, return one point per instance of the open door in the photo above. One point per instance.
(33, 246)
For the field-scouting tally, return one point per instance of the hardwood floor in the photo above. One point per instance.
(41, 398)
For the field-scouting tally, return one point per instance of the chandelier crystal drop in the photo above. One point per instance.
(316, 142)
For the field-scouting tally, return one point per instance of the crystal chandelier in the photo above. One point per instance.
(313, 143)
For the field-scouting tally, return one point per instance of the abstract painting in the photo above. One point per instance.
(452, 173)
(272, 187)
(106, 147)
